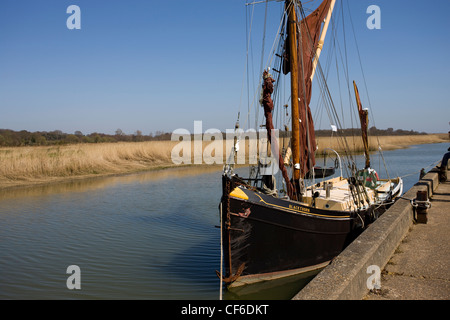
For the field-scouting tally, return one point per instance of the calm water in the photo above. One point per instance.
(141, 236)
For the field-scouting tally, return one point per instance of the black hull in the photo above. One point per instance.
(265, 236)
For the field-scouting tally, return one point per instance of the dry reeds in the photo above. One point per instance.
(22, 165)
(26, 163)
(355, 144)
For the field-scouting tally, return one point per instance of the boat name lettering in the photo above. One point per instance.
(299, 208)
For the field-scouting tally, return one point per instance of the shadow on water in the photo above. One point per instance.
(280, 289)
(194, 267)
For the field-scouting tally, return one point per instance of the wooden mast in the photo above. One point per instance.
(295, 139)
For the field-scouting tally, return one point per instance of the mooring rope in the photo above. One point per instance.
(416, 172)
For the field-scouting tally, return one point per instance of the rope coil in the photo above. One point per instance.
(421, 204)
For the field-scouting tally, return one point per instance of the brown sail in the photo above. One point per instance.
(308, 41)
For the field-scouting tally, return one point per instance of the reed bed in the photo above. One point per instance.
(25, 165)
(386, 142)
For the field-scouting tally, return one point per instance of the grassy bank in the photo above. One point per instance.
(25, 165)
(387, 142)
(30, 165)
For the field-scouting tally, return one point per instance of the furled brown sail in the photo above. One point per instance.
(267, 103)
(364, 118)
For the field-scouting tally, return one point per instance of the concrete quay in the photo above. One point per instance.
(414, 257)
(420, 266)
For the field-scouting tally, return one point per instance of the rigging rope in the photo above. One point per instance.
(325, 98)
(416, 172)
(263, 39)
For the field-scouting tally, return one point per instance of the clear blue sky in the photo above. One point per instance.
(159, 65)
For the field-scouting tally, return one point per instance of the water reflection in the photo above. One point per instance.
(95, 183)
(143, 236)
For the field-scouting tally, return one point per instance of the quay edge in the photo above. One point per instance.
(345, 278)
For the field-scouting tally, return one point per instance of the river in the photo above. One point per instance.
(142, 236)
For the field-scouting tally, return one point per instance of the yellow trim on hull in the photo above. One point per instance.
(238, 193)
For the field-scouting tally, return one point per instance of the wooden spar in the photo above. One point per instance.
(322, 38)
(364, 118)
(295, 139)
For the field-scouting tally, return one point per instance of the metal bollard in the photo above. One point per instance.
(421, 204)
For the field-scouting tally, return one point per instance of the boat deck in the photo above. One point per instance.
(340, 195)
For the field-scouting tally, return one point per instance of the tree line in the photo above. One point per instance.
(11, 138)
(373, 131)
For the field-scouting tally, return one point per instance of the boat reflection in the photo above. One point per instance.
(279, 289)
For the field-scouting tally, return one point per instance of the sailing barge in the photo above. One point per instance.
(267, 234)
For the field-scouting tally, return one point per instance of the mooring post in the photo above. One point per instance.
(422, 205)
